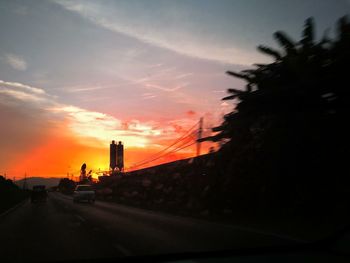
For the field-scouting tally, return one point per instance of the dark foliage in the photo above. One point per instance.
(10, 194)
(287, 143)
(66, 186)
(288, 136)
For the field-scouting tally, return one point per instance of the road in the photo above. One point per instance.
(61, 229)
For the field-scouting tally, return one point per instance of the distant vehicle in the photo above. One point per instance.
(39, 194)
(84, 192)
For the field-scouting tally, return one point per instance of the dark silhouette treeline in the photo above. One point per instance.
(288, 136)
(285, 145)
(66, 186)
(10, 194)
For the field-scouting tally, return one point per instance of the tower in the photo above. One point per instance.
(25, 182)
(113, 155)
(120, 156)
(199, 136)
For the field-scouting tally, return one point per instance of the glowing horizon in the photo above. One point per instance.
(73, 136)
(75, 75)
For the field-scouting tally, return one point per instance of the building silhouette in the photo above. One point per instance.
(112, 155)
(120, 156)
(116, 156)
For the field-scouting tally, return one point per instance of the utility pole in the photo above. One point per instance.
(199, 136)
(25, 182)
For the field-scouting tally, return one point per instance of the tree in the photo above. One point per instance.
(66, 185)
(305, 76)
(288, 133)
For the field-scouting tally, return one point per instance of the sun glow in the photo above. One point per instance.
(102, 128)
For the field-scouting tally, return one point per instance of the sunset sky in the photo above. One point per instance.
(75, 75)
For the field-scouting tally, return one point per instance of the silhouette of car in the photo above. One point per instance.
(39, 194)
(84, 193)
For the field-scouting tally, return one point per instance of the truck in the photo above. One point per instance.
(39, 194)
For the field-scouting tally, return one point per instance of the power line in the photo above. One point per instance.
(182, 143)
(185, 147)
(180, 147)
(185, 135)
(156, 157)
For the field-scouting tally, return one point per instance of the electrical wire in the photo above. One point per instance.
(184, 136)
(182, 146)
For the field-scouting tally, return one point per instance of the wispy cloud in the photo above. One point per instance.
(46, 129)
(17, 85)
(153, 32)
(15, 61)
(155, 65)
(158, 87)
(21, 95)
(218, 91)
(185, 75)
(38, 97)
(89, 87)
(22, 92)
(147, 96)
(96, 127)
(83, 89)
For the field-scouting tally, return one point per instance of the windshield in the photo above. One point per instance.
(197, 125)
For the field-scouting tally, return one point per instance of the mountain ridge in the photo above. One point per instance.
(37, 180)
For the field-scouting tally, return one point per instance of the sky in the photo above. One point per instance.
(75, 75)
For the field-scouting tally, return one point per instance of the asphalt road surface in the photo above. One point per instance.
(61, 230)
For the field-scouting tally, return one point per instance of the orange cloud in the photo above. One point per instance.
(191, 113)
(46, 138)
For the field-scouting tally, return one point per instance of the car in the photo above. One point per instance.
(84, 193)
(39, 194)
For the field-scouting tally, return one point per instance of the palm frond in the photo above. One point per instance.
(230, 97)
(249, 71)
(287, 43)
(308, 33)
(325, 39)
(237, 91)
(238, 75)
(249, 87)
(270, 51)
(342, 25)
(218, 128)
(260, 65)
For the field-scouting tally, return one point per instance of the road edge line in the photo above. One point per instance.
(2, 215)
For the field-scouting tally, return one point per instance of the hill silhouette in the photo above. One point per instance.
(48, 182)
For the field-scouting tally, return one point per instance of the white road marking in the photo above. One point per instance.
(125, 251)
